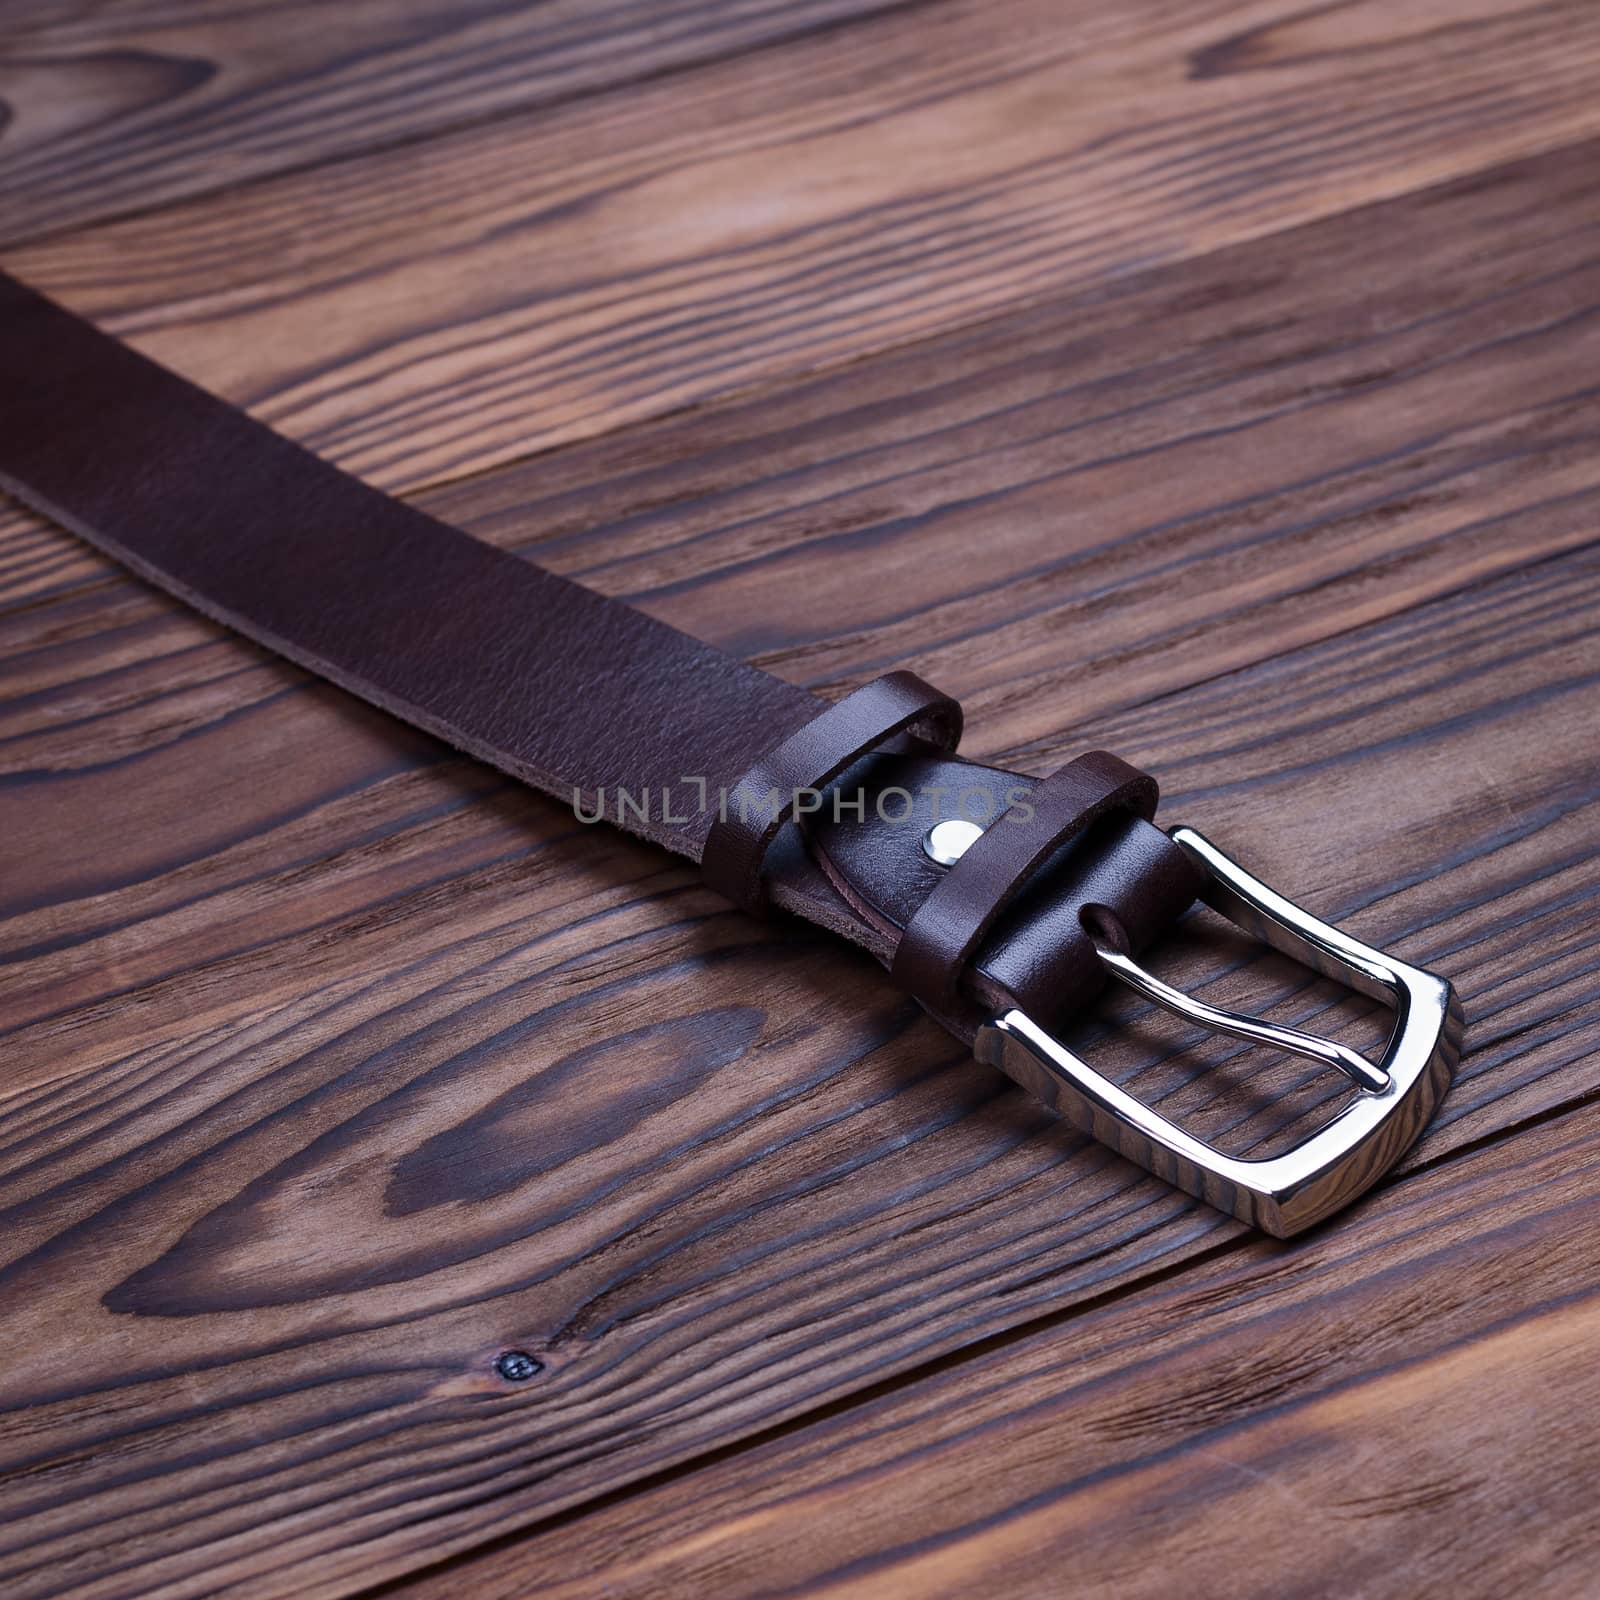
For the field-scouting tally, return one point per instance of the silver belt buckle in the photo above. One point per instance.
(1284, 1193)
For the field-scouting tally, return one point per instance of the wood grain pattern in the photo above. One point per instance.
(109, 109)
(443, 309)
(1123, 457)
(335, 1065)
(1300, 1419)
(303, 1171)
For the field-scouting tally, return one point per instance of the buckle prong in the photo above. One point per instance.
(1348, 1154)
(1312, 1046)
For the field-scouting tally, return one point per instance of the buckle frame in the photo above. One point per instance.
(1286, 1193)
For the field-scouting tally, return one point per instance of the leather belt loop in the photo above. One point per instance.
(767, 796)
(951, 923)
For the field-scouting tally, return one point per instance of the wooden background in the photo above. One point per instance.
(1215, 380)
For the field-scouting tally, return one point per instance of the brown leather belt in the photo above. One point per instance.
(1002, 903)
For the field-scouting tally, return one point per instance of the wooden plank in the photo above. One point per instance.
(1393, 1407)
(442, 309)
(129, 107)
(1121, 457)
(1079, 502)
(709, 1174)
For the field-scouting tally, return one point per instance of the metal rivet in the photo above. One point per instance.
(947, 842)
(517, 1366)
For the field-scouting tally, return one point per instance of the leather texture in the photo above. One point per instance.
(580, 696)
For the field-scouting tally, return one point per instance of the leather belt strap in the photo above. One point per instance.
(580, 696)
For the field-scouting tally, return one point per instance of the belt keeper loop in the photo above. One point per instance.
(950, 925)
(810, 759)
